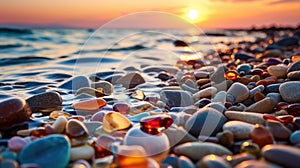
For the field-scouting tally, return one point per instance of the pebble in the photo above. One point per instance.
(248, 117)
(13, 111)
(41, 152)
(245, 68)
(280, 71)
(131, 80)
(213, 161)
(243, 56)
(16, 143)
(272, 53)
(206, 121)
(178, 136)
(258, 96)
(293, 67)
(197, 150)
(294, 75)
(256, 163)
(237, 93)
(220, 97)
(265, 105)
(283, 155)
(76, 129)
(45, 101)
(217, 106)
(239, 129)
(225, 138)
(156, 146)
(75, 83)
(273, 88)
(290, 91)
(176, 98)
(259, 88)
(59, 124)
(170, 69)
(89, 105)
(278, 130)
(85, 152)
(239, 158)
(261, 136)
(90, 91)
(114, 121)
(92, 126)
(107, 87)
(204, 93)
(131, 156)
(295, 137)
(288, 42)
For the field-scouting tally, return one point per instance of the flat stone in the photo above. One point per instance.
(294, 75)
(206, 121)
(239, 92)
(272, 53)
(295, 137)
(13, 111)
(265, 105)
(278, 130)
(197, 150)
(279, 71)
(176, 98)
(207, 92)
(286, 156)
(41, 152)
(290, 91)
(239, 129)
(89, 105)
(45, 102)
(220, 97)
(248, 117)
(131, 80)
(107, 87)
(75, 83)
(82, 152)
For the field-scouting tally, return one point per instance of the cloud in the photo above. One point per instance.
(282, 1)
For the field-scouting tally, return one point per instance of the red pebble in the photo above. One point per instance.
(294, 109)
(122, 108)
(16, 143)
(155, 124)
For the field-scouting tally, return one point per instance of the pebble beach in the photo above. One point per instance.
(234, 104)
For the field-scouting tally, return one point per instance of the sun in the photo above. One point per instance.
(193, 14)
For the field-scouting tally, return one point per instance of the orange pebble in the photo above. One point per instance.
(91, 105)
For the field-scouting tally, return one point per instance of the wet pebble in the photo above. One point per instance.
(280, 71)
(47, 101)
(75, 83)
(290, 91)
(239, 129)
(278, 130)
(248, 117)
(176, 98)
(295, 137)
(81, 152)
(76, 129)
(107, 87)
(89, 105)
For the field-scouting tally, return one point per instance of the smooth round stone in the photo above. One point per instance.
(239, 92)
(265, 105)
(201, 81)
(239, 129)
(294, 67)
(206, 121)
(273, 88)
(248, 117)
(295, 75)
(273, 61)
(131, 156)
(45, 101)
(290, 91)
(131, 80)
(90, 91)
(259, 88)
(220, 97)
(156, 146)
(107, 87)
(225, 138)
(13, 111)
(239, 158)
(280, 71)
(197, 150)
(89, 105)
(9, 164)
(16, 143)
(294, 109)
(243, 56)
(121, 107)
(295, 137)
(176, 98)
(243, 67)
(212, 161)
(75, 83)
(278, 130)
(204, 93)
(288, 42)
(272, 53)
(59, 124)
(82, 152)
(76, 129)
(41, 152)
(261, 136)
(178, 136)
(283, 155)
(114, 121)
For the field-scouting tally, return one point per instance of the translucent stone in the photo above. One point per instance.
(138, 94)
(256, 71)
(156, 146)
(76, 129)
(90, 105)
(55, 114)
(38, 132)
(231, 75)
(282, 105)
(140, 107)
(294, 109)
(122, 108)
(156, 124)
(251, 148)
(98, 116)
(131, 156)
(261, 136)
(114, 121)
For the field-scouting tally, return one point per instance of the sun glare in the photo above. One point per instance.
(193, 14)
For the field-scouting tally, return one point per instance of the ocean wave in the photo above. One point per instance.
(5, 46)
(15, 31)
(130, 48)
(22, 60)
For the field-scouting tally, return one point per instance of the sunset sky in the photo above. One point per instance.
(203, 13)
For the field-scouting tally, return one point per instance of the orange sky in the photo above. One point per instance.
(94, 13)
